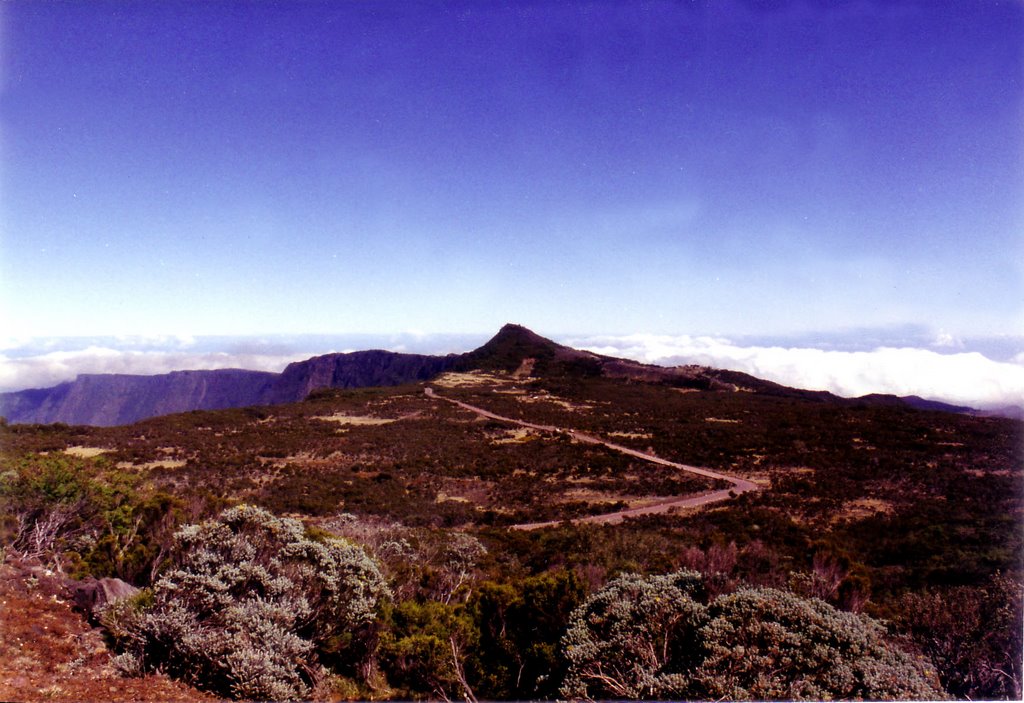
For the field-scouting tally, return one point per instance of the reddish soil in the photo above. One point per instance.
(49, 652)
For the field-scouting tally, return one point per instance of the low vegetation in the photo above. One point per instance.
(284, 555)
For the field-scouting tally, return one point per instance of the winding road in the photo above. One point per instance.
(739, 485)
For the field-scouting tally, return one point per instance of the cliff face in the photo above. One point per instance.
(117, 399)
(355, 370)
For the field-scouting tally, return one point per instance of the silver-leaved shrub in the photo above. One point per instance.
(254, 608)
(766, 644)
(653, 638)
(631, 638)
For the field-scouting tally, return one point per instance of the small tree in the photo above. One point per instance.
(47, 504)
(521, 624)
(255, 608)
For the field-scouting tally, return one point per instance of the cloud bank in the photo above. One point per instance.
(947, 373)
(961, 378)
(47, 361)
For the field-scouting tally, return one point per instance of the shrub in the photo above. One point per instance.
(426, 647)
(46, 505)
(85, 516)
(973, 634)
(521, 623)
(651, 638)
(255, 608)
(631, 637)
(766, 644)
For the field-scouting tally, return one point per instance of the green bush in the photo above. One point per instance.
(424, 651)
(48, 506)
(521, 624)
(255, 609)
(86, 517)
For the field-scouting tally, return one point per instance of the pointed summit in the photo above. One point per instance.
(513, 344)
(519, 337)
(507, 349)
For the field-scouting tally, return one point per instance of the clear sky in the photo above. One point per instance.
(747, 168)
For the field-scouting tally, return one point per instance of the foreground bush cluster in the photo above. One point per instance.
(255, 608)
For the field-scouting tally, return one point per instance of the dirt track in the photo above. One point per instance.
(739, 485)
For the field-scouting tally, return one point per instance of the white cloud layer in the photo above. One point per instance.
(962, 378)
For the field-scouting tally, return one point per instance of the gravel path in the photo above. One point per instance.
(738, 485)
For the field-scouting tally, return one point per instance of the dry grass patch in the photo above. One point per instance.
(554, 400)
(862, 508)
(525, 368)
(470, 378)
(304, 459)
(85, 452)
(594, 495)
(761, 479)
(631, 435)
(343, 419)
(158, 464)
(597, 497)
(981, 473)
(516, 436)
(471, 491)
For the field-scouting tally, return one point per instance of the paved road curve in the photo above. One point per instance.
(739, 485)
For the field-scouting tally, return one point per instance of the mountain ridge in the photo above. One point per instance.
(119, 399)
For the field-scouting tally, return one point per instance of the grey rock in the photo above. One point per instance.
(92, 594)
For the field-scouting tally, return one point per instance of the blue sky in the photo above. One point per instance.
(584, 168)
(232, 168)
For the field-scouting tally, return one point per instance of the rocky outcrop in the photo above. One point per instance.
(92, 594)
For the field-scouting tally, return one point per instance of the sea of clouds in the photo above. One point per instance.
(45, 362)
(946, 371)
(959, 377)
